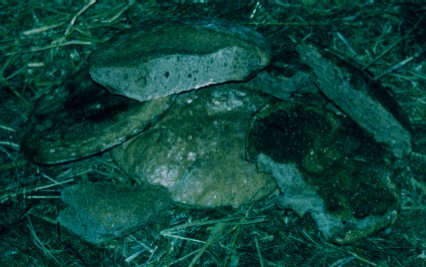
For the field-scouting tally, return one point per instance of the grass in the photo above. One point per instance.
(42, 43)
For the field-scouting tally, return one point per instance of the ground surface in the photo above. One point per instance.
(43, 43)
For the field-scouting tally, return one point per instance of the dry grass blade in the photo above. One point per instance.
(46, 251)
(214, 237)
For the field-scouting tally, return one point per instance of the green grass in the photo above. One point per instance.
(42, 43)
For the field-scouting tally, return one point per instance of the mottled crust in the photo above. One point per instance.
(326, 166)
(82, 119)
(170, 57)
(362, 99)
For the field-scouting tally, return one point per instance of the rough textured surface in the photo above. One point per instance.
(285, 78)
(198, 150)
(100, 212)
(326, 166)
(82, 119)
(361, 98)
(169, 57)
